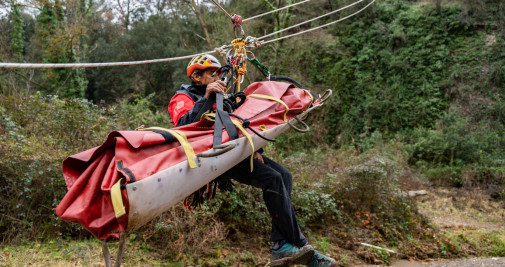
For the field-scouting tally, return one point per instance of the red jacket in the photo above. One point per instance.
(186, 103)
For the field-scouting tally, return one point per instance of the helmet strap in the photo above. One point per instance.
(204, 77)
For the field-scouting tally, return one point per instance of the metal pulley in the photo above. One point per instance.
(236, 20)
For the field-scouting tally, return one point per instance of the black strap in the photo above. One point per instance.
(206, 107)
(246, 124)
(218, 124)
(222, 118)
(169, 138)
(234, 101)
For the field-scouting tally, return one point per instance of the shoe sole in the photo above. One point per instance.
(305, 255)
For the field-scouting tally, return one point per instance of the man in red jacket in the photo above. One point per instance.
(290, 246)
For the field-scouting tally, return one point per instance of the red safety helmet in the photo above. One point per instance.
(202, 62)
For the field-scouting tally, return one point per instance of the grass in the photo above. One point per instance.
(60, 252)
(469, 218)
(468, 223)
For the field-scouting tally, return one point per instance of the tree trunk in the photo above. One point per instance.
(202, 22)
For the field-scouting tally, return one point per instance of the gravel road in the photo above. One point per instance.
(466, 262)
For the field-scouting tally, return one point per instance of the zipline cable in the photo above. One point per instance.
(259, 15)
(92, 65)
(275, 10)
(307, 21)
(319, 27)
(129, 63)
(220, 7)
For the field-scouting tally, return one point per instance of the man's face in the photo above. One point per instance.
(210, 78)
(206, 77)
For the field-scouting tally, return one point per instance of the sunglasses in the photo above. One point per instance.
(216, 72)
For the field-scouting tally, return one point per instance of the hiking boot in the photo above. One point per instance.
(289, 254)
(320, 260)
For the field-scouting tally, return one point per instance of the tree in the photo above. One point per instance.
(202, 22)
(17, 42)
(62, 42)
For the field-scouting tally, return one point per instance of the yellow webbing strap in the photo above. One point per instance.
(117, 199)
(311, 97)
(183, 140)
(209, 116)
(274, 99)
(238, 124)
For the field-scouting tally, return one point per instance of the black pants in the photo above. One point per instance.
(276, 183)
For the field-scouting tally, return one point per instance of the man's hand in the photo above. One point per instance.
(215, 87)
(258, 157)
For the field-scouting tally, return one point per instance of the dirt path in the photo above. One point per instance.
(463, 209)
(458, 211)
(468, 262)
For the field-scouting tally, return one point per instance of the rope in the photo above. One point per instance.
(307, 21)
(220, 7)
(275, 10)
(92, 65)
(254, 41)
(319, 27)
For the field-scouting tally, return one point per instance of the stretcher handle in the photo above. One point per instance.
(223, 149)
(326, 95)
(306, 127)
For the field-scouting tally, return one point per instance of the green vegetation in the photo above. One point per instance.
(418, 95)
(36, 133)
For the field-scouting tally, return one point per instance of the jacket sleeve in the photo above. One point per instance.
(183, 110)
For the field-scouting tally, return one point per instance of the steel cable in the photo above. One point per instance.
(319, 27)
(220, 7)
(307, 21)
(92, 65)
(275, 10)
(129, 63)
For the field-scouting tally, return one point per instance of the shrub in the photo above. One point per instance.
(243, 210)
(389, 78)
(140, 111)
(371, 200)
(454, 144)
(314, 207)
(36, 134)
(370, 191)
(183, 234)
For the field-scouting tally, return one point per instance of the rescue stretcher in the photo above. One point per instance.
(134, 176)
